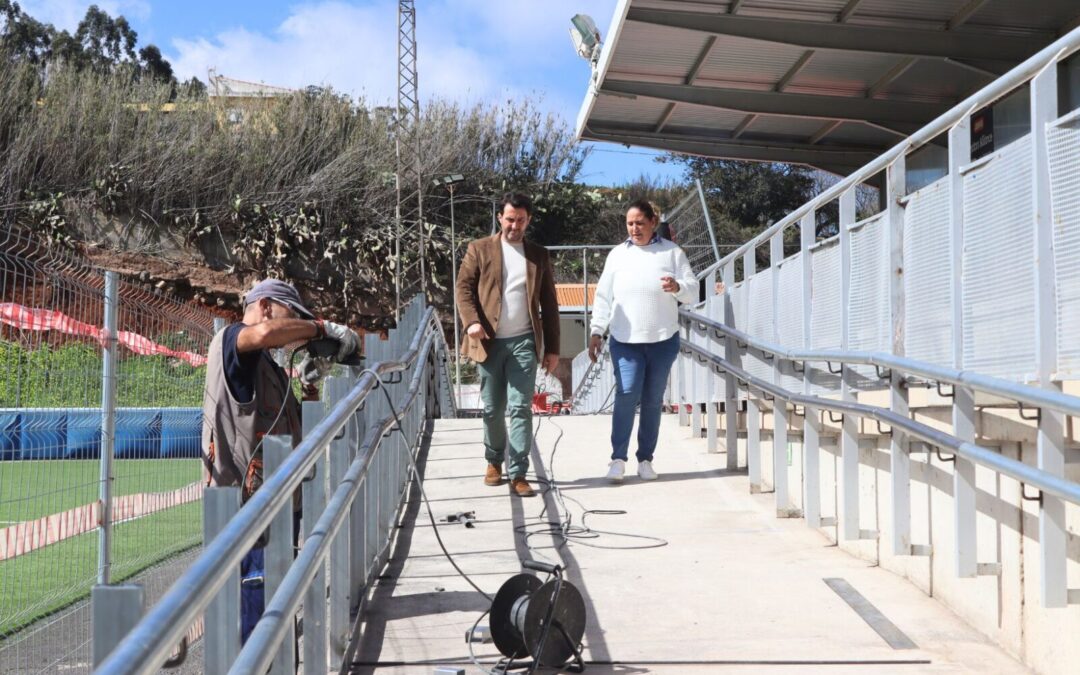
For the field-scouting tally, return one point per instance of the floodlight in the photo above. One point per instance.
(585, 36)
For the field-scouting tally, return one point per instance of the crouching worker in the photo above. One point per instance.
(248, 396)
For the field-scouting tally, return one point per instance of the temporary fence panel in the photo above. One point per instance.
(928, 275)
(868, 305)
(1063, 139)
(999, 265)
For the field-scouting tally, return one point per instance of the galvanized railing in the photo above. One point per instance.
(358, 448)
(970, 280)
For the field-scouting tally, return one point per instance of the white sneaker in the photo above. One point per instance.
(616, 470)
(645, 470)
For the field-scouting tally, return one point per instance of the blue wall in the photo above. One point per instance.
(75, 433)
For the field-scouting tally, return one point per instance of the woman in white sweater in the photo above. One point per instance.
(637, 304)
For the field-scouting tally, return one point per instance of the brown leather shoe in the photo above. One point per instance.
(521, 487)
(493, 476)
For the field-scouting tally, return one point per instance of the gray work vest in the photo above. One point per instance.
(232, 454)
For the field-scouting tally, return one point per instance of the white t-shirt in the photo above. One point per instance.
(629, 298)
(514, 314)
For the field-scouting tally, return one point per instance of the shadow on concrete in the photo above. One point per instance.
(380, 609)
(632, 479)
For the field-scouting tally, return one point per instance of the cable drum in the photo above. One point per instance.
(543, 620)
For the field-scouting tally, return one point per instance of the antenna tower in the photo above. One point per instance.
(410, 241)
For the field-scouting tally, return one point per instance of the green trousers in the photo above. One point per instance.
(507, 379)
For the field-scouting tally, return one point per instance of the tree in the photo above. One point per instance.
(154, 64)
(23, 37)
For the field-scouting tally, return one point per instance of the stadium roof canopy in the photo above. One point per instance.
(827, 83)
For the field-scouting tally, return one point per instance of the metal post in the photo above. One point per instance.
(849, 437)
(585, 295)
(453, 281)
(710, 377)
(108, 426)
(899, 459)
(708, 220)
(315, 605)
(753, 409)
(1053, 536)
(219, 324)
(731, 354)
(279, 551)
(222, 618)
(340, 595)
(116, 610)
(963, 404)
(812, 420)
(680, 384)
(780, 415)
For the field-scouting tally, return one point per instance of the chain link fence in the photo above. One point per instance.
(52, 484)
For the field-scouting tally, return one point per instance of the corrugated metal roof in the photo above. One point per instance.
(656, 43)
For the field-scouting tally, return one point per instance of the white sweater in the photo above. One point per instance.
(629, 299)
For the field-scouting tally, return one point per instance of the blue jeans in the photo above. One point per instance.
(641, 373)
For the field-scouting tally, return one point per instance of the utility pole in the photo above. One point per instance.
(410, 236)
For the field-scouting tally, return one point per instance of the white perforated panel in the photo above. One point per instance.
(760, 309)
(999, 266)
(737, 296)
(868, 303)
(1064, 142)
(715, 310)
(789, 314)
(825, 315)
(928, 276)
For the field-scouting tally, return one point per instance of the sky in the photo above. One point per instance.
(471, 51)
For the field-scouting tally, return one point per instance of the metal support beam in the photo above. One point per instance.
(899, 460)
(316, 640)
(222, 619)
(777, 103)
(753, 410)
(279, 551)
(965, 13)
(848, 509)
(794, 70)
(743, 126)
(115, 610)
(845, 37)
(780, 412)
(824, 131)
(712, 305)
(890, 76)
(792, 153)
(1053, 534)
(812, 420)
(731, 354)
(848, 10)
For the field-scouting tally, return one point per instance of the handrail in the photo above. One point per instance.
(1057, 50)
(1043, 398)
(261, 648)
(1015, 469)
(148, 645)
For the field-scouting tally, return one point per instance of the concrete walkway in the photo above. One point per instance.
(734, 589)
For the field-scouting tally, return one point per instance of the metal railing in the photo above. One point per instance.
(970, 280)
(358, 449)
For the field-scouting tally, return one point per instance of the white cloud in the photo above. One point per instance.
(469, 50)
(66, 14)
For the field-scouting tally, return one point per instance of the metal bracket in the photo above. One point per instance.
(717, 333)
(766, 396)
(700, 358)
(1024, 494)
(798, 366)
(702, 327)
(741, 345)
(1036, 417)
(881, 431)
(833, 419)
(795, 410)
(951, 394)
(887, 372)
(951, 458)
(395, 378)
(828, 364)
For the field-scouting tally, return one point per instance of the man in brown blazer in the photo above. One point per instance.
(506, 300)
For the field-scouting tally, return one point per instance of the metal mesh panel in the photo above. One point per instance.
(51, 319)
(760, 310)
(928, 276)
(826, 331)
(789, 315)
(1064, 147)
(714, 309)
(999, 266)
(739, 293)
(868, 304)
(691, 230)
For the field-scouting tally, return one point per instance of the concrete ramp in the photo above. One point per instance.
(733, 590)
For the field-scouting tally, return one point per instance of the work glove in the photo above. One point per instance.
(348, 342)
(313, 369)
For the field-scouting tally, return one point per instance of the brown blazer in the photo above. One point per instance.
(479, 295)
